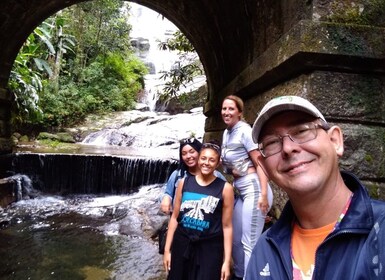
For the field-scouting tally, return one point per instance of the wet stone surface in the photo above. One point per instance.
(82, 237)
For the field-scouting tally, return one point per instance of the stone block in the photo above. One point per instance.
(7, 195)
(4, 94)
(376, 189)
(347, 96)
(6, 145)
(213, 135)
(364, 151)
(341, 97)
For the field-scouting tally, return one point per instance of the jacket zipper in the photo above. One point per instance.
(334, 234)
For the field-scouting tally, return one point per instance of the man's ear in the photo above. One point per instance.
(337, 139)
(261, 161)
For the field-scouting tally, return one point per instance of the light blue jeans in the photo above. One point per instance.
(248, 220)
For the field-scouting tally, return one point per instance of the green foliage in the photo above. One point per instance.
(179, 76)
(27, 76)
(108, 84)
(75, 63)
(185, 71)
(179, 42)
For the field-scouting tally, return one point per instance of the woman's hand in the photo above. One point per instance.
(167, 261)
(263, 204)
(165, 205)
(225, 271)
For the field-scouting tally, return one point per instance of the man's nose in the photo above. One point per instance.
(288, 144)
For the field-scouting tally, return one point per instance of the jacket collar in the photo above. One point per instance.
(359, 216)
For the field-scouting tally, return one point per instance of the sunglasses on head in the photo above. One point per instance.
(188, 140)
(213, 146)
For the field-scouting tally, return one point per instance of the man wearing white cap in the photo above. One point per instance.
(330, 228)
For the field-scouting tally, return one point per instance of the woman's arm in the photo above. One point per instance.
(168, 196)
(172, 225)
(227, 215)
(263, 203)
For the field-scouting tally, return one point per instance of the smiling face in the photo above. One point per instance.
(302, 168)
(189, 156)
(208, 161)
(230, 113)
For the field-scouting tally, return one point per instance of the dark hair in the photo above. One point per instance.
(214, 145)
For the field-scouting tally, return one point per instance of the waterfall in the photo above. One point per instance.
(148, 29)
(90, 174)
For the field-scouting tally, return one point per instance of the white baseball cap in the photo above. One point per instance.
(283, 103)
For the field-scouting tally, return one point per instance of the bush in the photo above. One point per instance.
(108, 84)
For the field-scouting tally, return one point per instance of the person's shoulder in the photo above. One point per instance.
(219, 175)
(176, 172)
(376, 249)
(245, 129)
(174, 175)
(378, 229)
(244, 126)
(379, 212)
(228, 190)
(378, 207)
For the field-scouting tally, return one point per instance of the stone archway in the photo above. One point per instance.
(228, 35)
(332, 52)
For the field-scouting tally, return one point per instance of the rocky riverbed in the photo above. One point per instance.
(135, 132)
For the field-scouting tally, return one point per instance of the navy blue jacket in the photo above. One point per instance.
(354, 251)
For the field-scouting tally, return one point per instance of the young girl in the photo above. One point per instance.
(188, 166)
(199, 237)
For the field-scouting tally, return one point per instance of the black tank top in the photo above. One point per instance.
(201, 209)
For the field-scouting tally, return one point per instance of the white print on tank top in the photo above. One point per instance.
(199, 204)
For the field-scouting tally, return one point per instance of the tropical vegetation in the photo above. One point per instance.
(81, 61)
(188, 67)
(78, 61)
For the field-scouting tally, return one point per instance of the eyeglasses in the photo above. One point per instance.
(213, 146)
(188, 140)
(272, 144)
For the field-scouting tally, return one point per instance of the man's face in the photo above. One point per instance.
(301, 168)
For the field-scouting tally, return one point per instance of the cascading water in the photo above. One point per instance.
(103, 228)
(91, 174)
(148, 29)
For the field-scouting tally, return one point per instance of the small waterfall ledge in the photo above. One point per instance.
(87, 174)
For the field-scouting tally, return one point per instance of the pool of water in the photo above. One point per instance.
(82, 237)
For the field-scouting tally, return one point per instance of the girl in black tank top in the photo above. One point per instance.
(199, 239)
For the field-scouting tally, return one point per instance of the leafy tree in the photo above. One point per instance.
(76, 62)
(100, 27)
(184, 71)
(27, 76)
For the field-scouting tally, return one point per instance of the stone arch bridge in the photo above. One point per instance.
(329, 51)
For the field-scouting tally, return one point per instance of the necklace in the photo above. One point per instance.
(297, 273)
(342, 215)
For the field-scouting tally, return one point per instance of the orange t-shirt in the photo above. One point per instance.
(304, 243)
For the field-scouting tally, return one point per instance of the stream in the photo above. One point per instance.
(96, 236)
(82, 237)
